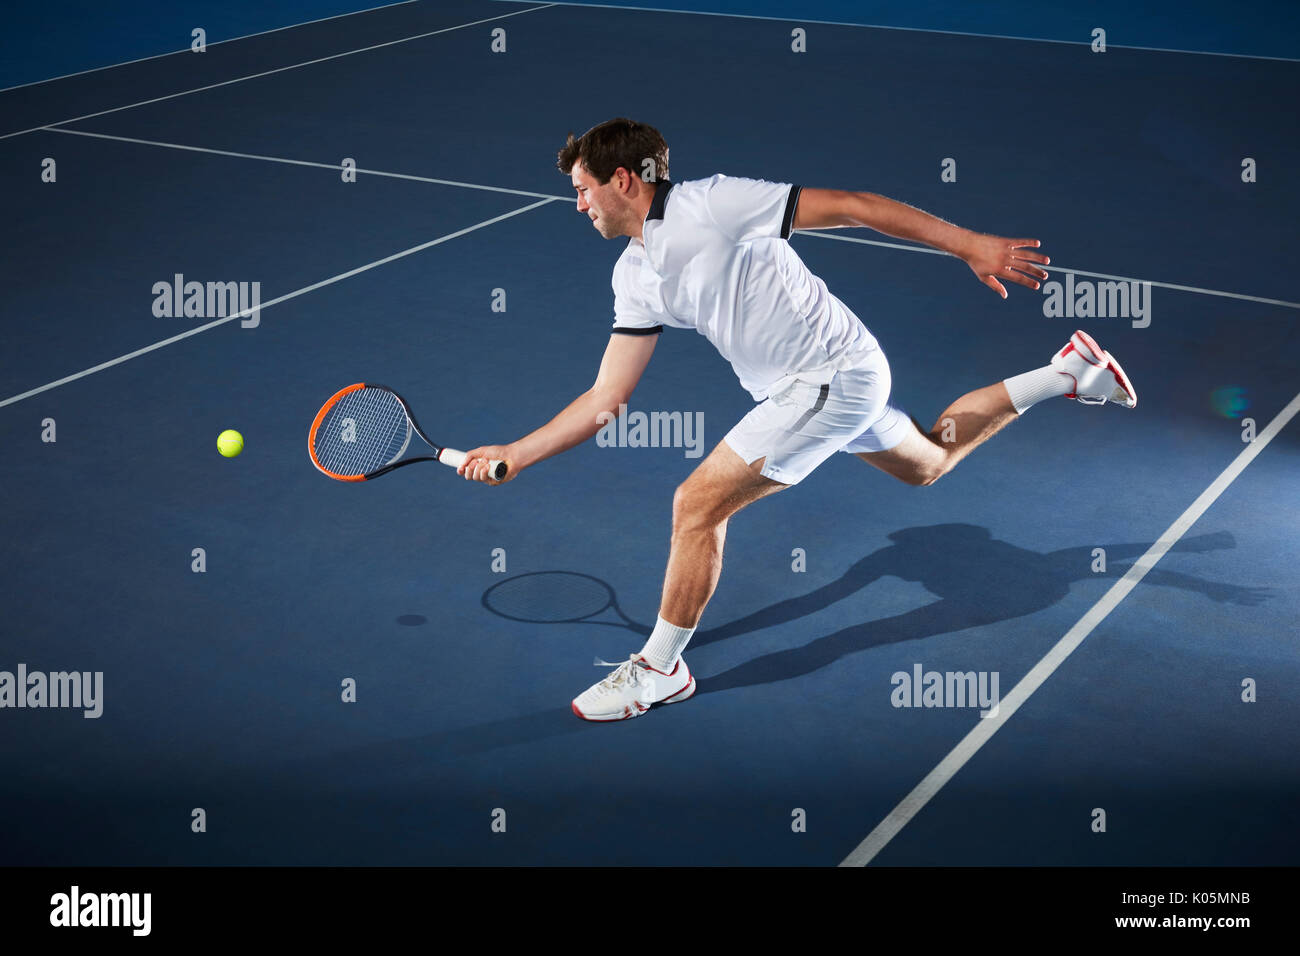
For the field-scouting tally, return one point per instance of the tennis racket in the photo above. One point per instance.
(363, 431)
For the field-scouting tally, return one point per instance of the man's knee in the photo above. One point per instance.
(918, 466)
(926, 478)
(722, 485)
(930, 471)
(688, 506)
(695, 506)
(934, 465)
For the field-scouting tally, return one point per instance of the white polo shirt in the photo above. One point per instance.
(715, 258)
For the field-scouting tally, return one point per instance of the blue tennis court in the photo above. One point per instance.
(1126, 577)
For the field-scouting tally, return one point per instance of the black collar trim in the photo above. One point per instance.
(661, 196)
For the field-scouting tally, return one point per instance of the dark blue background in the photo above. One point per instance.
(222, 689)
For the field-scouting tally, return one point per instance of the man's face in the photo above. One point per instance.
(606, 207)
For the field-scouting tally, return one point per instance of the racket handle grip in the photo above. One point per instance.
(450, 456)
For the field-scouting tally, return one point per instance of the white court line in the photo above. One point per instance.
(284, 298)
(254, 76)
(303, 162)
(159, 56)
(881, 26)
(1056, 267)
(906, 247)
(934, 781)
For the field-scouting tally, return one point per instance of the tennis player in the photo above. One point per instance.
(713, 255)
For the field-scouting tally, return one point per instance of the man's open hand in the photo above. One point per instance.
(992, 258)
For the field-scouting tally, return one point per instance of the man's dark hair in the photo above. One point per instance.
(636, 147)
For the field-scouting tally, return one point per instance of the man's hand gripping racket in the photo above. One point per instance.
(479, 464)
(364, 431)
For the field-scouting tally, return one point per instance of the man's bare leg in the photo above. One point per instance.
(1082, 370)
(716, 490)
(924, 457)
(721, 485)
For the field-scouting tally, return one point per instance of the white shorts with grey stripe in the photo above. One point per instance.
(805, 423)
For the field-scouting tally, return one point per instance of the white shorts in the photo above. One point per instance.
(804, 423)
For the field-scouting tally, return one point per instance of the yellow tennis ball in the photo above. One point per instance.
(230, 443)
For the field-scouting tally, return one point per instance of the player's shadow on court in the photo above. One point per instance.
(978, 579)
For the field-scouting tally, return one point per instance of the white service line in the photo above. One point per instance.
(276, 301)
(1056, 267)
(246, 36)
(881, 26)
(254, 76)
(934, 781)
(303, 162)
(905, 247)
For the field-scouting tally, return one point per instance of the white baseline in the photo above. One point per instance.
(905, 247)
(335, 167)
(1057, 267)
(265, 305)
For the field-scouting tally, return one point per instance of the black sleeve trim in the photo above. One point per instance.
(787, 221)
(653, 330)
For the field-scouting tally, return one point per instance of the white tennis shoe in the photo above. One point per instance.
(1098, 379)
(632, 688)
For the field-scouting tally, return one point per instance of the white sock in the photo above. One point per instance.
(666, 645)
(1032, 387)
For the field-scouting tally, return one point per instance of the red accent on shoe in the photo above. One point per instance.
(649, 666)
(1097, 350)
(690, 686)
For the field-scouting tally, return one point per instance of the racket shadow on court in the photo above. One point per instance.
(978, 580)
(559, 598)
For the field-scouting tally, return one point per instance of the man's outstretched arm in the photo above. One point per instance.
(990, 257)
(625, 360)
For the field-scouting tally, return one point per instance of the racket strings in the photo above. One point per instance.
(362, 432)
